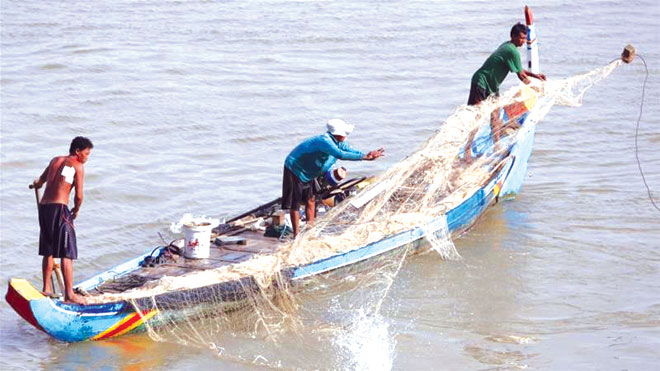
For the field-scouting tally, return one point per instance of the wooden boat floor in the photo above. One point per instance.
(177, 265)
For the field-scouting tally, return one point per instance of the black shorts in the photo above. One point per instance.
(477, 94)
(295, 192)
(57, 236)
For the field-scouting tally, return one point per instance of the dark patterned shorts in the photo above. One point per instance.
(57, 236)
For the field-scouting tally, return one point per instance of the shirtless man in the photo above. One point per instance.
(57, 238)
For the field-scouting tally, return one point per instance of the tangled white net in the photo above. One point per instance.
(433, 179)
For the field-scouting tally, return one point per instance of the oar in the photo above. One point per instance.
(256, 210)
(56, 267)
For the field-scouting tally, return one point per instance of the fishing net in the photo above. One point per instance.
(434, 179)
(328, 312)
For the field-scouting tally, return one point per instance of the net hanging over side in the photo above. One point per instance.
(433, 179)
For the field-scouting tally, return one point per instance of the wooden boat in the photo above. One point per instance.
(72, 322)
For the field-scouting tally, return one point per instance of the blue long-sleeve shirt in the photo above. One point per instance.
(315, 155)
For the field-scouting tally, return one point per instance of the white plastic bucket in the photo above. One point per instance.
(197, 240)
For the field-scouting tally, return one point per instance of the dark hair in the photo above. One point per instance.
(518, 28)
(79, 143)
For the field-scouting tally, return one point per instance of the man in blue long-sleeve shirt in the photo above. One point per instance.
(312, 158)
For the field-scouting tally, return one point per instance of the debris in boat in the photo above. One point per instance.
(278, 218)
(122, 284)
(169, 254)
(278, 231)
(221, 241)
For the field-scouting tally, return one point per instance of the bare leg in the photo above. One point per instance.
(468, 147)
(310, 210)
(69, 295)
(496, 125)
(295, 220)
(47, 270)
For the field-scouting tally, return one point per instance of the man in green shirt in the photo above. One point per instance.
(505, 59)
(487, 80)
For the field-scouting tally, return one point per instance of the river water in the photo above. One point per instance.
(193, 106)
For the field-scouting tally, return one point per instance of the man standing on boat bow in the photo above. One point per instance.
(506, 58)
(57, 238)
(487, 79)
(309, 160)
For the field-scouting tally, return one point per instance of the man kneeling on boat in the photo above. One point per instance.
(57, 237)
(309, 160)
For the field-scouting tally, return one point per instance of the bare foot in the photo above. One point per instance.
(75, 299)
(51, 295)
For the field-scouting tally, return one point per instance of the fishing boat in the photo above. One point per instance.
(126, 297)
(232, 243)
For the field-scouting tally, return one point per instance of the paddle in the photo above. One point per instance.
(258, 211)
(56, 267)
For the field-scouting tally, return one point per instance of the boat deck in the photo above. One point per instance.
(177, 265)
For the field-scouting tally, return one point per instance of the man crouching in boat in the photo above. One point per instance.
(312, 158)
(57, 237)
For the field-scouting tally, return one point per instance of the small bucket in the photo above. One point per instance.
(197, 240)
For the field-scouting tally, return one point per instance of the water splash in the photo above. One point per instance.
(368, 342)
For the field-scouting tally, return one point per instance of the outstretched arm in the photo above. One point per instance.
(524, 76)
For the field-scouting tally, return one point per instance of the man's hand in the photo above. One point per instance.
(74, 213)
(36, 184)
(374, 154)
(539, 76)
(524, 76)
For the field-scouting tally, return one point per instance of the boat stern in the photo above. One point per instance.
(73, 322)
(19, 295)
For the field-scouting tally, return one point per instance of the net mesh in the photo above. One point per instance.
(330, 309)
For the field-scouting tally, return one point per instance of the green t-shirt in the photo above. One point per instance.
(506, 58)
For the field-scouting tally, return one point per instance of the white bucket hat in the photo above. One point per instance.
(339, 127)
